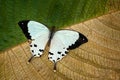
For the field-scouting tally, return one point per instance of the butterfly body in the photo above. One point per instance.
(51, 35)
(60, 42)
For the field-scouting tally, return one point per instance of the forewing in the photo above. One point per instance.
(32, 29)
(38, 33)
(62, 42)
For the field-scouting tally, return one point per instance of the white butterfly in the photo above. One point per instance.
(60, 41)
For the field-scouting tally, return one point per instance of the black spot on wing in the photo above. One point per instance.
(39, 54)
(59, 52)
(81, 40)
(30, 45)
(41, 50)
(49, 57)
(58, 58)
(33, 51)
(51, 53)
(54, 61)
(63, 54)
(24, 27)
(66, 52)
(35, 45)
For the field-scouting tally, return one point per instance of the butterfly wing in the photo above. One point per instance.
(38, 33)
(32, 29)
(37, 46)
(62, 42)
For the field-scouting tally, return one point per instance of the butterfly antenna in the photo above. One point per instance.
(54, 67)
(31, 58)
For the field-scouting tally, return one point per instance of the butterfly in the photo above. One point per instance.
(59, 41)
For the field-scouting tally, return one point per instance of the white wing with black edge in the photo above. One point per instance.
(62, 41)
(38, 33)
(33, 29)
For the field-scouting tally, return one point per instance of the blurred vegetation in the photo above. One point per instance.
(59, 13)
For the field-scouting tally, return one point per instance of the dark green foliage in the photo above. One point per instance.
(57, 13)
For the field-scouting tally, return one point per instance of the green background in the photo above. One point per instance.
(59, 13)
